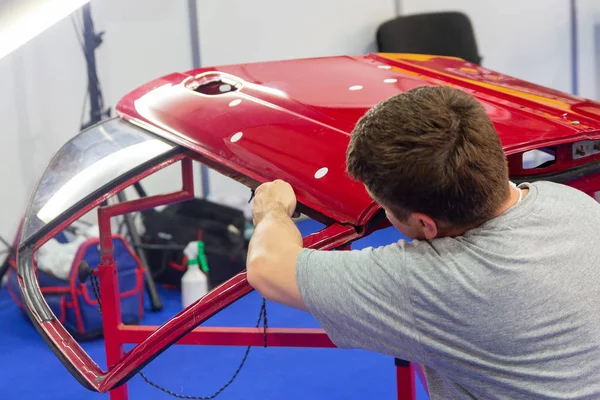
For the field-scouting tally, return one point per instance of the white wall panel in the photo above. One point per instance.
(528, 39)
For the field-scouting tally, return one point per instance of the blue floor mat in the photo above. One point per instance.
(31, 371)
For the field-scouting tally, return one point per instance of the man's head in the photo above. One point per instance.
(430, 156)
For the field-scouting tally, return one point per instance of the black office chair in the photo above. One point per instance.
(444, 34)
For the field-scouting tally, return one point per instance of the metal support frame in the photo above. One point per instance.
(117, 334)
(155, 301)
(112, 320)
(406, 380)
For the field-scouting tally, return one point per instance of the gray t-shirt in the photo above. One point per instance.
(509, 310)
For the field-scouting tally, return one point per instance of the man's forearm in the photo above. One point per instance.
(273, 233)
(272, 254)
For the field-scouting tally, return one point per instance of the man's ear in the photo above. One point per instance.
(425, 225)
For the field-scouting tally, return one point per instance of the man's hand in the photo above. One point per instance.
(272, 195)
(275, 245)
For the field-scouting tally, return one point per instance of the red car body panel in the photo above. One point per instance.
(295, 117)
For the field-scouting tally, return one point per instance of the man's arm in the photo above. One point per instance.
(361, 298)
(275, 245)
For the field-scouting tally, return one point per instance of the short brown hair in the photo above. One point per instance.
(432, 150)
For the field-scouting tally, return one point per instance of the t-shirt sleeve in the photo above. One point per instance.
(361, 298)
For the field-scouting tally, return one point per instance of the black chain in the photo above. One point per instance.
(263, 312)
(96, 289)
(261, 316)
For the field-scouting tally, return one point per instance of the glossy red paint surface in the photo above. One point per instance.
(295, 116)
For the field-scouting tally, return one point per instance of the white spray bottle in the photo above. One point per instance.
(194, 283)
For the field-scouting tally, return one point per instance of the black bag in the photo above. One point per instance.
(220, 227)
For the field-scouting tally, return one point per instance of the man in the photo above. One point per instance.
(498, 296)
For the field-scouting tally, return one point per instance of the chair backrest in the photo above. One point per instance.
(444, 34)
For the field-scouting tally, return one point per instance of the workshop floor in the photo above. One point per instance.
(29, 370)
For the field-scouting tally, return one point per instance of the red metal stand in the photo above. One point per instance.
(112, 322)
(405, 380)
(117, 334)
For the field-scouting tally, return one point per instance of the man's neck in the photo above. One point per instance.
(512, 200)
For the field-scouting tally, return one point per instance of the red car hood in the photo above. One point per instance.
(292, 119)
